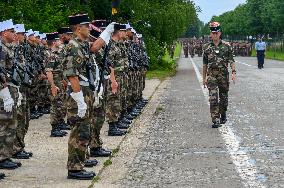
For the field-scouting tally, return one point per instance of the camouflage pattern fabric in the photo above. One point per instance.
(75, 65)
(8, 127)
(80, 134)
(113, 107)
(217, 58)
(22, 122)
(99, 111)
(117, 59)
(8, 119)
(58, 109)
(99, 114)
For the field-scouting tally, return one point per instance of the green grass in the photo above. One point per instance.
(107, 163)
(115, 151)
(271, 55)
(96, 179)
(162, 74)
(159, 109)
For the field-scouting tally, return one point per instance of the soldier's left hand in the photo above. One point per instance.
(42, 77)
(234, 77)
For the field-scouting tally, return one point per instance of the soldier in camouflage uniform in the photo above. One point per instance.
(115, 56)
(43, 102)
(134, 71)
(216, 58)
(126, 86)
(33, 91)
(54, 72)
(65, 34)
(80, 99)
(9, 97)
(144, 66)
(23, 109)
(99, 108)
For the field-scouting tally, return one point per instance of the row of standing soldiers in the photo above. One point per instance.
(87, 74)
(194, 46)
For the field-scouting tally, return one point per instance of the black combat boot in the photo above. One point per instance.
(90, 163)
(39, 111)
(134, 114)
(2, 175)
(56, 132)
(130, 117)
(33, 113)
(223, 119)
(122, 125)
(80, 175)
(216, 124)
(8, 164)
(99, 152)
(125, 121)
(145, 101)
(21, 155)
(29, 153)
(114, 131)
(64, 126)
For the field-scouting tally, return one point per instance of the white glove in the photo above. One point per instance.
(7, 99)
(106, 34)
(101, 92)
(19, 99)
(97, 100)
(82, 106)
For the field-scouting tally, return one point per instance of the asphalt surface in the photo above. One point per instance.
(182, 150)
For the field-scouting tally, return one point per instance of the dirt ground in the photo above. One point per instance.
(47, 168)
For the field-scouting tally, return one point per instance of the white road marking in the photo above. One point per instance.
(244, 63)
(245, 165)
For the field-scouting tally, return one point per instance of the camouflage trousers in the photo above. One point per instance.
(33, 101)
(8, 127)
(218, 86)
(139, 85)
(144, 72)
(132, 89)
(23, 119)
(98, 120)
(80, 130)
(113, 106)
(124, 92)
(58, 109)
(185, 51)
(43, 93)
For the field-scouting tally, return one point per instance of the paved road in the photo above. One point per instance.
(182, 150)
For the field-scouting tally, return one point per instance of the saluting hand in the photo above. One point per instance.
(54, 90)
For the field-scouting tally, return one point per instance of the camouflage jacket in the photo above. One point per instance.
(134, 56)
(116, 57)
(218, 57)
(54, 64)
(77, 57)
(7, 62)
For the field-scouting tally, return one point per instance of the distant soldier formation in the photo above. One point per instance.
(194, 46)
(82, 75)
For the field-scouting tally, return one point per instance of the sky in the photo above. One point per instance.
(215, 7)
